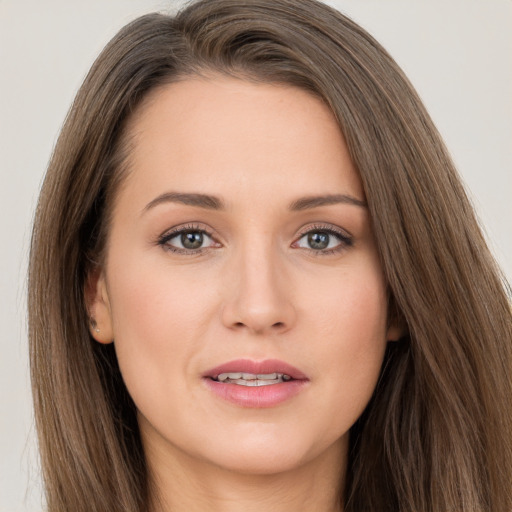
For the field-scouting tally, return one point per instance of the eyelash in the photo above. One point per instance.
(164, 239)
(345, 240)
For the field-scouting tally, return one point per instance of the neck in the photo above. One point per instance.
(182, 483)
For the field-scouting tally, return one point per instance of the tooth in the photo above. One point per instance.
(243, 382)
(269, 382)
(267, 376)
(254, 382)
(249, 376)
(223, 376)
(286, 377)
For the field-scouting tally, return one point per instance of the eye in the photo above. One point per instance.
(186, 240)
(324, 240)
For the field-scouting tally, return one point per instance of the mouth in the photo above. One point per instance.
(246, 372)
(252, 379)
(255, 384)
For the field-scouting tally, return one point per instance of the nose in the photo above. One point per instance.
(259, 297)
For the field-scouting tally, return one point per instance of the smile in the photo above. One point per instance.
(252, 379)
(255, 384)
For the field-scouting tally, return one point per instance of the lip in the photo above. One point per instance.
(256, 367)
(257, 396)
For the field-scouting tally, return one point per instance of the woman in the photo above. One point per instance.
(256, 281)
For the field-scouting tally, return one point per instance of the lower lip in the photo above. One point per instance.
(256, 397)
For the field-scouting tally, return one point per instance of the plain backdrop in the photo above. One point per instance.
(457, 53)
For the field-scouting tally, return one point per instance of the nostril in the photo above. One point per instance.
(277, 325)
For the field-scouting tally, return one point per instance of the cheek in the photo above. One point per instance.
(157, 302)
(352, 321)
(351, 307)
(158, 320)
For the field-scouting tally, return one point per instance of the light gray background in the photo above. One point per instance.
(458, 54)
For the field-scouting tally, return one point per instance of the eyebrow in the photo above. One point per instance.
(305, 203)
(199, 200)
(214, 203)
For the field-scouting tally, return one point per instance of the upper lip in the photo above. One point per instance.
(256, 367)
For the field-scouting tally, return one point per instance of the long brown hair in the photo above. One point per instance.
(437, 434)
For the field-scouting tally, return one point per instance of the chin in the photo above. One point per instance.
(268, 453)
(256, 463)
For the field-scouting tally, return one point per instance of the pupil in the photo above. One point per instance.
(318, 240)
(192, 240)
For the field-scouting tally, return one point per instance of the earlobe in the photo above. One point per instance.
(98, 307)
(397, 329)
(397, 326)
(394, 333)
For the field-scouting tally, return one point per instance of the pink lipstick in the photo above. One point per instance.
(255, 384)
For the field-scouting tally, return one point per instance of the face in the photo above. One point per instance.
(242, 284)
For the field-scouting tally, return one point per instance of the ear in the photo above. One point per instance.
(98, 307)
(395, 332)
(397, 326)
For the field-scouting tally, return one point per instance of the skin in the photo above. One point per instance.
(255, 290)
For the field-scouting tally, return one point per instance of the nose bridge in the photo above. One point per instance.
(259, 300)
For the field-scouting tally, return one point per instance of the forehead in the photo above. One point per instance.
(211, 134)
